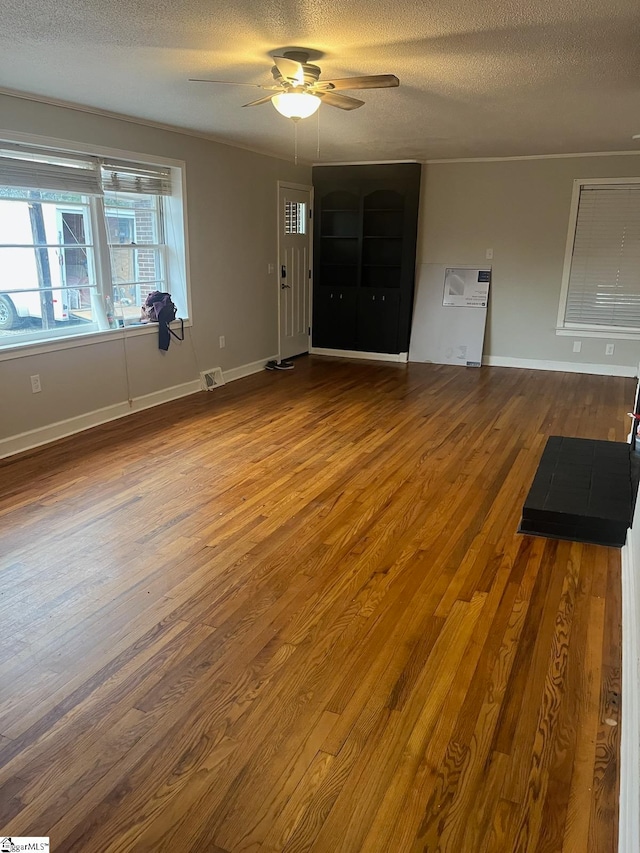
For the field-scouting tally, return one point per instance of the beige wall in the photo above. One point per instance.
(520, 209)
(231, 207)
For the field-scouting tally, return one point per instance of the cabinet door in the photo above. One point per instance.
(378, 320)
(334, 317)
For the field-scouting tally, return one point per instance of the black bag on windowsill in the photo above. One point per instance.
(159, 308)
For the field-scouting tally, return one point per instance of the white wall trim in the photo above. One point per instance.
(61, 429)
(247, 369)
(363, 162)
(609, 334)
(398, 358)
(534, 157)
(562, 366)
(629, 814)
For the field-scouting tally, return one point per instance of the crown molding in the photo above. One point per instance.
(157, 125)
(534, 157)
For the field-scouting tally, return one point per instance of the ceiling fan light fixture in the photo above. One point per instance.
(296, 105)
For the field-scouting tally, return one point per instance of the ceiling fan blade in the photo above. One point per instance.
(227, 83)
(290, 69)
(259, 101)
(373, 81)
(343, 102)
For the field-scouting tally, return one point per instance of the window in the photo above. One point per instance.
(136, 249)
(601, 283)
(295, 217)
(83, 241)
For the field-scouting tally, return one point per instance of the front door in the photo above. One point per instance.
(294, 268)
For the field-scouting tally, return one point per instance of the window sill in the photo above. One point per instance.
(28, 348)
(610, 334)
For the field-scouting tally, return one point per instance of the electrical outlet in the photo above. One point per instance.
(222, 342)
(577, 346)
(36, 387)
(608, 350)
(489, 254)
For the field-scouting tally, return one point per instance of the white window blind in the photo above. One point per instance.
(127, 177)
(40, 168)
(604, 281)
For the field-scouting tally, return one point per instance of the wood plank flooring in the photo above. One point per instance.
(294, 614)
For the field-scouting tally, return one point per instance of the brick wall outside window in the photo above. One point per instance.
(147, 260)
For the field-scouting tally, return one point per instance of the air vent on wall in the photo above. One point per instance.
(211, 379)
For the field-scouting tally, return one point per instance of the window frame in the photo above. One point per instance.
(160, 248)
(176, 260)
(577, 330)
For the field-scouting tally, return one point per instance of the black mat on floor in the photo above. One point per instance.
(582, 491)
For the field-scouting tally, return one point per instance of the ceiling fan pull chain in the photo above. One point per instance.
(318, 143)
(295, 143)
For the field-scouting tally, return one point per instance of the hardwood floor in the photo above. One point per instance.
(294, 614)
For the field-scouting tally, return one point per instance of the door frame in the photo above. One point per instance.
(304, 187)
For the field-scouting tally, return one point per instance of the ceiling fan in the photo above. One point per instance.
(298, 90)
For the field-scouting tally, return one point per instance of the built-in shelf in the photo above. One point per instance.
(365, 229)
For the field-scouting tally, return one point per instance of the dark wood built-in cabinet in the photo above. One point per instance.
(364, 249)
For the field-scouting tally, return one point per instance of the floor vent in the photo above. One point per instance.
(211, 379)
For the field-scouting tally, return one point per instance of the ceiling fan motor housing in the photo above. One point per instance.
(311, 72)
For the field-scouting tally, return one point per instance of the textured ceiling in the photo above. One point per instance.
(478, 78)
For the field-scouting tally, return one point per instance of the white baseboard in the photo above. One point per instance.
(61, 429)
(493, 361)
(629, 817)
(398, 358)
(247, 369)
(562, 366)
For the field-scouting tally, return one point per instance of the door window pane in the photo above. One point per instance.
(295, 217)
